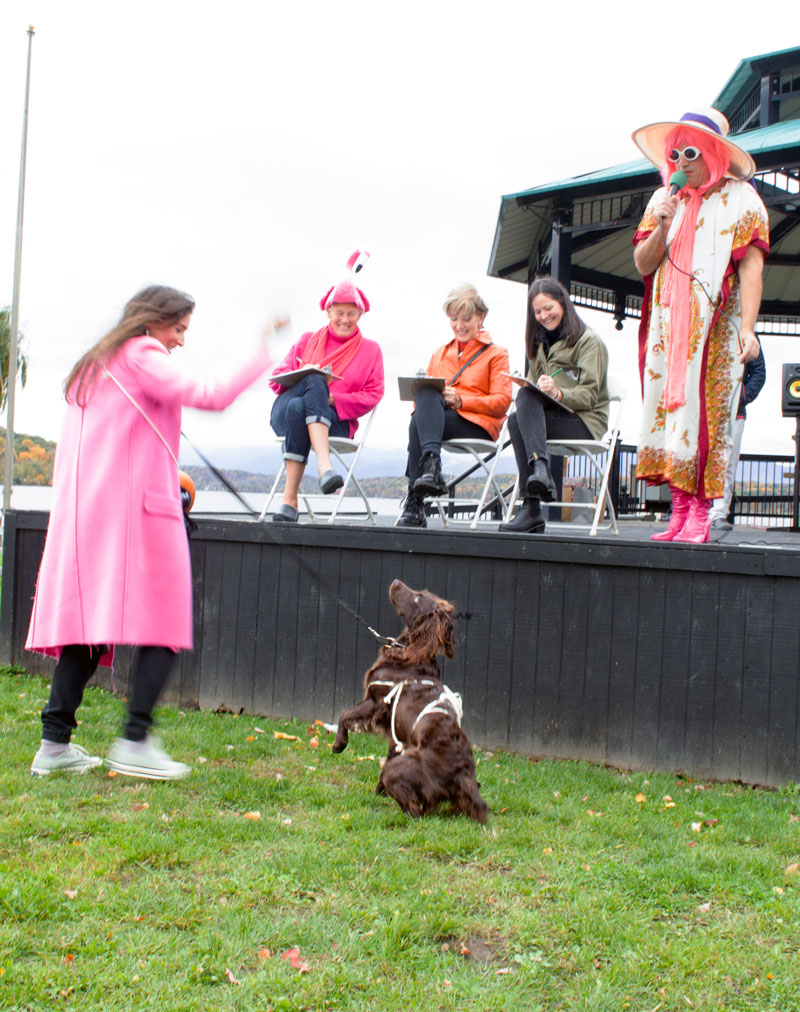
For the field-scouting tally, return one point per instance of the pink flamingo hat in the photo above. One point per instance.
(346, 290)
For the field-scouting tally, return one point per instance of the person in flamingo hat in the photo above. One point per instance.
(308, 412)
(702, 296)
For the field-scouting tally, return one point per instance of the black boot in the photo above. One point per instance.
(540, 483)
(413, 514)
(430, 481)
(529, 520)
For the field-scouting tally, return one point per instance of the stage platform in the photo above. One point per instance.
(613, 649)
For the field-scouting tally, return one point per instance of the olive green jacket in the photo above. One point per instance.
(580, 373)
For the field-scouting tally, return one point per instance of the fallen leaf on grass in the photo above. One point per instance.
(705, 907)
(264, 954)
(69, 959)
(295, 960)
(250, 737)
(792, 869)
(313, 742)
(70, 893)
(794, 818)
(255, 816)
(284, 737)
(232, 979)
(696, 827)
(502, 970)
(139, 808)
(777, 890)
(465, 950)
(640, 798)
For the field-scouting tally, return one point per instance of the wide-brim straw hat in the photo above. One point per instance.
(651, 139)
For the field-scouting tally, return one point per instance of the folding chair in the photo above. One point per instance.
(340, 446)
(592, 451)
(486, 455)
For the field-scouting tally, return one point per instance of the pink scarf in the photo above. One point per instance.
(339, 358)
(676, 293)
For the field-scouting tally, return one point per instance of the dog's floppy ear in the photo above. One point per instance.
(435, 632)
(449, 638)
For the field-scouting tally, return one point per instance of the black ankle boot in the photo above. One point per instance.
(540, 483)
(413, 514)
(529, 520)
(430, 481)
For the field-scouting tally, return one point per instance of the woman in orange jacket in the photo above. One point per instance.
(472, 405)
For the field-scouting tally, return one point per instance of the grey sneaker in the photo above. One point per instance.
(144, 759)
(74, 759)
(721, 525)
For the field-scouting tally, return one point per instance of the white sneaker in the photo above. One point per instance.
(144, 759)
(74, 759)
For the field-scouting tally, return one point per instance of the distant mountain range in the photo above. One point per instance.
(267, 460)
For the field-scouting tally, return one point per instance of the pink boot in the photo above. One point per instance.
(680, 514)
(695, 530)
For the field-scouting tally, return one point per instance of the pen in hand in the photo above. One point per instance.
(552, 374)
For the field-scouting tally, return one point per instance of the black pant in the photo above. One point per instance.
(532, 424)
(75, 667)
(431, 423)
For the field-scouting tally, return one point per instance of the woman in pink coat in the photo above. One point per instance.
(116, 565)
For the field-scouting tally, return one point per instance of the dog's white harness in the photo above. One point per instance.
(445, 698)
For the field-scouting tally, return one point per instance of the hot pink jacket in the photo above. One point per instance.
(115, 567)
(361, 387)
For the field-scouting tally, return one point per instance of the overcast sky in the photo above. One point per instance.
(242, 151)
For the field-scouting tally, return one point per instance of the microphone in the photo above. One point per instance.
(677, 181)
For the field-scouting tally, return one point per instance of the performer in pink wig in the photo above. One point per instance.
(702, 296)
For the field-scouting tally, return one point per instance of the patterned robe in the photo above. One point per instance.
(690, 445)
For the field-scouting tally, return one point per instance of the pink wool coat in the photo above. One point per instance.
(115, 567)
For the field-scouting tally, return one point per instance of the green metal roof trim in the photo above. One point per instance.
(775, 138)
(745, 76)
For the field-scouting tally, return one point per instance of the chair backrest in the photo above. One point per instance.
(616, 398)
(346, 445)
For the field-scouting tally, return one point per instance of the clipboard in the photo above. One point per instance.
(288, 379)
(523, 381)
(409, 385)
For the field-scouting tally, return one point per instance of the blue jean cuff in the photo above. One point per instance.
(295, 456)
(318, 418)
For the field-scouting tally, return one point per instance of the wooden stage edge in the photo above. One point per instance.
(616, 650)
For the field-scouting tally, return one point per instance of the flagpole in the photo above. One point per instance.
(11, 381)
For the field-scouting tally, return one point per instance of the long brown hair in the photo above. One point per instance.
(156, 304)
(572, 326)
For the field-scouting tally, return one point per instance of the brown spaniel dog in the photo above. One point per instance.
(430, 758)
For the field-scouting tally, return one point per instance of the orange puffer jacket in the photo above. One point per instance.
(484, 391)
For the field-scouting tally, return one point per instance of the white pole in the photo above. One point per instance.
(12, 337)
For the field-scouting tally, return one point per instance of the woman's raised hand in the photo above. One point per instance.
(274, 325)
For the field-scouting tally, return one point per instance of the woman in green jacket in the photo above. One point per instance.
(569, 362)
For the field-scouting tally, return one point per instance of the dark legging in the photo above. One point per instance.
(433, 422)
(75, 667)
(532, 424)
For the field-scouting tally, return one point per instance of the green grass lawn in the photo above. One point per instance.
(587, 889)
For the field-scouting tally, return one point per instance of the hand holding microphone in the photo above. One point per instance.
(669, 205)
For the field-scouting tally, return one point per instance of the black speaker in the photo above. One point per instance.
(791, 389)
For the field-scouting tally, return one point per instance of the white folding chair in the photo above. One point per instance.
(486, 455)
(340, 447)
(592, 450)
